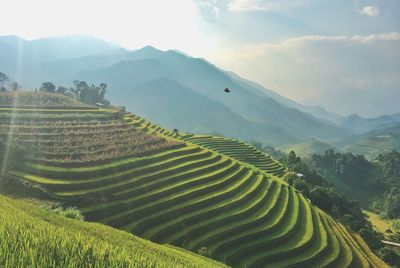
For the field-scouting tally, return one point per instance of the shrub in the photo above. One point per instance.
(390, 256)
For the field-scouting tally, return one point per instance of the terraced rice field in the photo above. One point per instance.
(240, 151)
(68, 136)
(204, 199)
(233, 148)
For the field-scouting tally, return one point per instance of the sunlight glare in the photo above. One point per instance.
(163, 24)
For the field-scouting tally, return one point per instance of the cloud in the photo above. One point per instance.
(261, 5)
(391, 36)
(209, 9)
(369, 11)
(346, 74)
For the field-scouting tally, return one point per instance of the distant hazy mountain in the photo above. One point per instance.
(171, 88)
(23, 60)
(313, 110)
(176, 106)
(359, 125)
(372, 143)
(203, 78)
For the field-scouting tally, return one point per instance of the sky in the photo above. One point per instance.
(343, 55)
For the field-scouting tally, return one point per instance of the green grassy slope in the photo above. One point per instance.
(196, 198)
(33, 237)
(312, 147)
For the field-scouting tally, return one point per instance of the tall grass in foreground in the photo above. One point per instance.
(33, 237)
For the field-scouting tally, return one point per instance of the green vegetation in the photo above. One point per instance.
(50, 95)
(34, 237)
(214, 196)
(87, 94)
(372, 145)
(37, 100)
(309, 148)
(322, 194)
(375, 183)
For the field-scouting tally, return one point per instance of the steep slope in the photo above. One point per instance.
(201, 77)
(176, 106)
(191, 197)
(316, 111)
(33, 237)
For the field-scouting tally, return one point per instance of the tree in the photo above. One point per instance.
(396, 225)
(3, 80)
(392, 205)
(47, 87)
(289, 177)
(372, 237)
(390, 256)
(90, 94)
(62, 90)
(15, 86)
(302, 186)
(320, 197)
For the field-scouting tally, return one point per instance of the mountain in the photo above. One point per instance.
(206, 80)
(52, 48)
(358, 124)
(313, 110)
(175, 106)
(263, 115)
(23, 60)
(375, 142)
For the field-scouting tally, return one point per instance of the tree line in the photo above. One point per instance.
(310, 176)
(5, 80)
(81, 91)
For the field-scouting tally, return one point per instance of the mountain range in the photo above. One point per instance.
(179, 91)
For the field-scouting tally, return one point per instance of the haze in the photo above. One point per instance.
(342, 55)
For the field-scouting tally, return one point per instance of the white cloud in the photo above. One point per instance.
(372, 11)
(391, 36)
(263, 5)
(345, 74)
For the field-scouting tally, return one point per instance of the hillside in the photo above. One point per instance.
(174, 103)
(373, 143)
(38, 100)
(360, 125)
(201, 77)
(46, 239)
(311, 147)
(168, 190)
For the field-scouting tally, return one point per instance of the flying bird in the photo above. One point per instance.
(227, 90)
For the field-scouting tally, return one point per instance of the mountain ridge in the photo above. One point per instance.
(124, 70)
